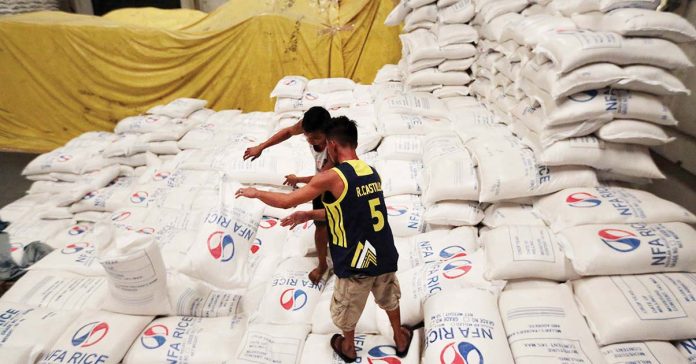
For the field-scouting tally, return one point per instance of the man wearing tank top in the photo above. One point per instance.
(312, 126)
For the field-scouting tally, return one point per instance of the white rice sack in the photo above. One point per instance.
(422, 44)
(67, 160)
(141, 124)
(263, 343)
(604, 104)
(322, 323)
(405, 215)
(639, 23)
(634, 132)
(451, 91)
(461, 65)
(410, 124)
(400, 177)
(190, 297)
(464, 327)
(182, 107)
(328, 85)
(291, 297)
(459, 13)
(504, 214)
(396, 16)
(300, 240)
(643, 307)
(608, 249)
(608, 205)
(570, 7)
(291, 87)
(220, 253)
(507, 172)
(136, 275)
(571, 49)
(453, 213)
(433, 76)
(20, 324)
(612, 157)
(58, 291)
(420, 17)
(688, 349)
(388, 72)
(188, 339)
(495, 29)
(415, 103)
(544, 322)
(519, 252)
(648, 352)
(401, 147)
(96, 337)
(435, 246)
(648, 79)
(450, 178)
(109, 198)
(455, 34)
(493, 9)
(78, 258)
(461, 270)
(530, 30)
(369, 349)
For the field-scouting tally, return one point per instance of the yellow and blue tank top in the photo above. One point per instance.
(360, 239)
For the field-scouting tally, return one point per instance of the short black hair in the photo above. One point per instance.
(343, 130)
(315, 119)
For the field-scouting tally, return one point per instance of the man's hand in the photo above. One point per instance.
(291, 180)
(248, 192)
(253, 152)
(296, 218)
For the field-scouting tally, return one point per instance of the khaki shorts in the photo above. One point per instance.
(350, 296)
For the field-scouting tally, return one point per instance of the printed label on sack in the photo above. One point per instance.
(562, 350)
(594, 40)
(67, 293)
(650, 297)
(260, 347)
(531, 244)
(133, 279)
(688, 349)
(214, 304)
(629, 353)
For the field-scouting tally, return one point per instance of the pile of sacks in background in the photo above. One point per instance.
(583, 83)
(502, 258)
(438, 46)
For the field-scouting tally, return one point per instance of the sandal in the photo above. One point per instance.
(402, 354)
(337, 346)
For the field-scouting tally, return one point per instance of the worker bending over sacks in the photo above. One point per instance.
(312, 126)
(362, 245)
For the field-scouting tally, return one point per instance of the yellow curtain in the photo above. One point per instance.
(63, 74)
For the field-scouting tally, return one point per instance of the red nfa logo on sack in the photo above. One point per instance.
(15, 246)
(619, 240)
(155, 336)
(90, 334)
(161, 176)
(293, 299)
(221, 246)
(461, 353)
(383, 354)
(396, 210)
(256, 246)
(120, 216)
(139, 197)
(64, 158)
(75, 248)
(268, 222)
(77, 230)
(454, 269)
(583, 199)
(452, 252)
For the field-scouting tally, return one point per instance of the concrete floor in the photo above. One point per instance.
(680, 186)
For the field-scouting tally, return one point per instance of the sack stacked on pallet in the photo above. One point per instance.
(583, 84)
(437, 45)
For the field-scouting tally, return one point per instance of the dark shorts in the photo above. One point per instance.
(318, 205)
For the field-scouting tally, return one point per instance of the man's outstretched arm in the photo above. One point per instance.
(318, 185)
(277, 138)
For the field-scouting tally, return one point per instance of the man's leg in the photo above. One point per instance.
(321, 240)
(347, 305)
(387, 294)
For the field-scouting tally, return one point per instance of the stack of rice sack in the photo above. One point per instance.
(583, 84)
(437, 45)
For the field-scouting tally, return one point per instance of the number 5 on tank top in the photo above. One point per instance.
(379, 225)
